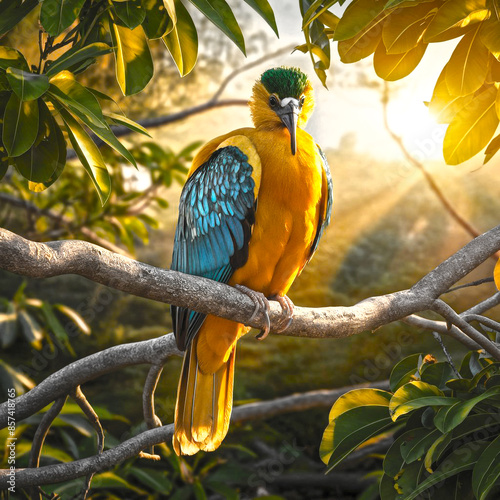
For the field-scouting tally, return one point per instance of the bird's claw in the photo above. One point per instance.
(261, 305)
(287, 308)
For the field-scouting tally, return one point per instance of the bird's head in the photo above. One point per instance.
(283, 97)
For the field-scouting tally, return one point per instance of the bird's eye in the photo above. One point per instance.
(302, 100)
(273, 101)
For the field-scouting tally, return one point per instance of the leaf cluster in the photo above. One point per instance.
(42, 106)
(398, 32)
(445, 423)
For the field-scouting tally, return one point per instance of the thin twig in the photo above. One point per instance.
(484, 306)
(469, 228)
(442, 328)
(40, 435)
(483, 320)
(148, 401)
(80, 399)
(472, 283)
(250, 65)
(451, 316)
(133, 446)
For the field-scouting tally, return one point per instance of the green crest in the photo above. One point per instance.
(285, 82)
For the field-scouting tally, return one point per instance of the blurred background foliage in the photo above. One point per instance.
(388, 230)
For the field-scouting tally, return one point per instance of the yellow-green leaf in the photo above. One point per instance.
(491, 151)
(10, 57)
(89, 155)
(415, 395)
(171, 9)
(490, 36)
(28, 86)
(472, 128)
(454, 16)
(364, 43)
(358, 15)
(182, 41)
(468, 65)
(443, 105)
(134, 64)
(405, 28)
(393, 67)
(157, 21)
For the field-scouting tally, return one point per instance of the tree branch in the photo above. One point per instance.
(132, 447)
(43, 260)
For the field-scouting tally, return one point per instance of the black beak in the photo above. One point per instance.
(289, 115)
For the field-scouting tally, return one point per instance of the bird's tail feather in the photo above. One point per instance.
(204, 404)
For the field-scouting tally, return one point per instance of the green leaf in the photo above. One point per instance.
(359, 397)
(448, 418)
(8, 326)
(153, 479)
(453, 16)
(264, 9)
(472, 128)
(15, 13)
(459, 460)
(134, 64)
(357, 16)
(10, 57)
(41, 161)
(81, 102)
(417, 442)
(56, 328)
(416, 395)
(487, 470)
(76, 55)
(20, 125)
(437, 374)
(403, 371)
(57, 15)
(219, 12)
(31, 329)
(353, 428)
(106, 480)
(89, 155)
(157, 21)
(127, 122)
(468, 65)
(38, 187)
(27, 86)
(131, 13)
(182, 41)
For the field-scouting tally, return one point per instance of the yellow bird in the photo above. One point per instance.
(251, 214)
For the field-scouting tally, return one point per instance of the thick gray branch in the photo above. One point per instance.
(42, 260)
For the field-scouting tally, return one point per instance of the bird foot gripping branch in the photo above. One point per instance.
(262, 307)
(251, 213)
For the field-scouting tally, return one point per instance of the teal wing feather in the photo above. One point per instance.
(216, 215)
(324, 220)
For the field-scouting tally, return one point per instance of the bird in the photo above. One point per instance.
(251, 213)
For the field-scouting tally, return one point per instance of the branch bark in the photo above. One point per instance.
(42, 260)
(132, 447)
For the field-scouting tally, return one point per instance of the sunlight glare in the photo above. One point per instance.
(421, 134)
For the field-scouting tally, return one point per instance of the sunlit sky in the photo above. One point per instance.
(348, 108)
